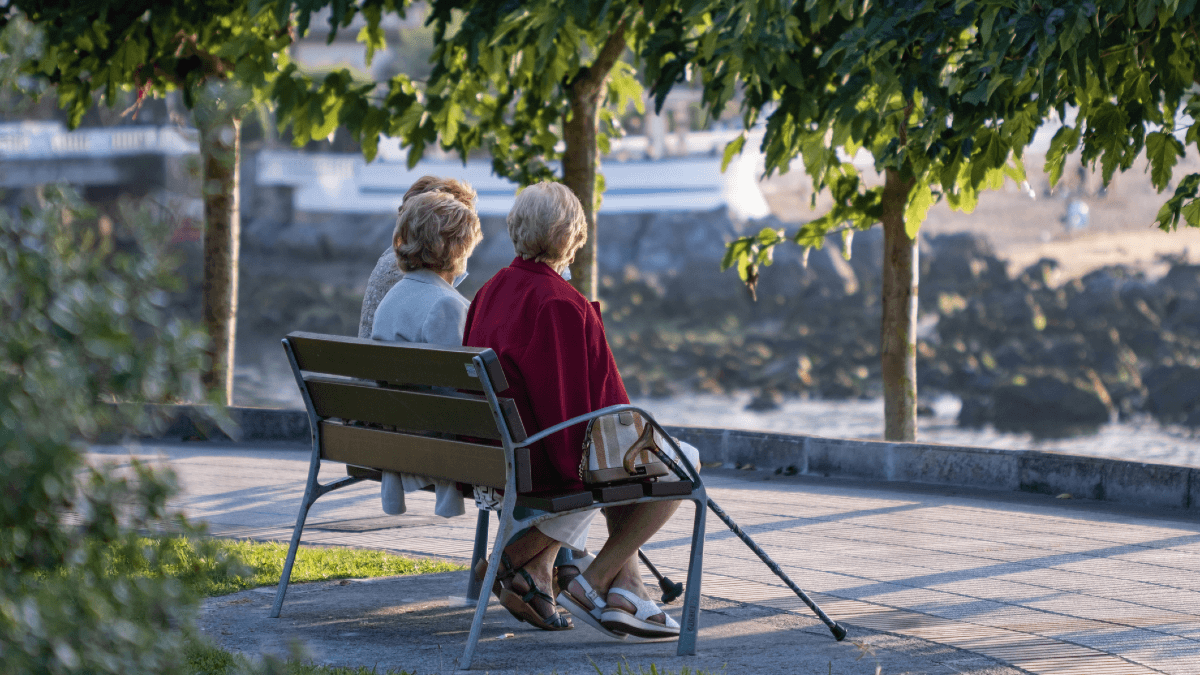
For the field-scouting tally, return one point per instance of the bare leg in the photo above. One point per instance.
(540, 568)
(529, 546)
(630, 578)
(540, 571)
(629, 527)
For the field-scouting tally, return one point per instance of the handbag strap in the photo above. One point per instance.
(587, 443)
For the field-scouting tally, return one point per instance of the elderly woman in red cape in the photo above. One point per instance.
(550, 342)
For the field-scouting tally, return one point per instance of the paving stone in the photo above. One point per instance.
(1042, 586)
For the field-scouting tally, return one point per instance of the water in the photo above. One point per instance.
(1142, 440)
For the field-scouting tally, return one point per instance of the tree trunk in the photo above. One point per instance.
(581, 159)
(898, 336)
(220, 132)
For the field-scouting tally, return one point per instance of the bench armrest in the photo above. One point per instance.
(685, 472)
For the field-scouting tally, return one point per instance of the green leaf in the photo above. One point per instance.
(1163, 150)
(920, 199)
(1174, 209)
(735, 251)
(733, 148)
(1191, 213)
(1065, 140)
(989, 20)
(1146, 11)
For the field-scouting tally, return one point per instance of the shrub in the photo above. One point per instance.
(86, 345)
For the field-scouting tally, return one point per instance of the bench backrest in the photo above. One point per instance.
(353, 380)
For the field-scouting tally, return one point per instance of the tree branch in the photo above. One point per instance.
(903, 130)
(590, 79)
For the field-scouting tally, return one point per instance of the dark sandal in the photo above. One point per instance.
(563, 576)
(503, 575)
(520, 607)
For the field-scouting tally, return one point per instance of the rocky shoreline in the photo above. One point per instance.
(1024, 353)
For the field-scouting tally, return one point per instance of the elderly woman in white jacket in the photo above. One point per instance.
(435, 234)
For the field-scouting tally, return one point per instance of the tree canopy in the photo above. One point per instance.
(103, 47)
(531, 83)
(948, 93)
(945, 96)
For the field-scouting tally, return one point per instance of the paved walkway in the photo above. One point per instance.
(1043, 586)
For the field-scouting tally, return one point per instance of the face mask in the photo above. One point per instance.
(566, 273)
(459, 279)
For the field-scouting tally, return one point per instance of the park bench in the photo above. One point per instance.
(373, 406)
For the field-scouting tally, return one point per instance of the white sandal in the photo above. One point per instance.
(589, 616)
(639, 624)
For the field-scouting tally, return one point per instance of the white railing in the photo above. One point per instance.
(51, 140)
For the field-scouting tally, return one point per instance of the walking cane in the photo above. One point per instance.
(839, 632)
(670, 589)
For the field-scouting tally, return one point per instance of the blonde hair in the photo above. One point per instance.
(547, 224)
(460, 190)
(435, 231)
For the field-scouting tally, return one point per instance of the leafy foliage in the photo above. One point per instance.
(104, 46)
(948, 93)
(501, 81)
(85, 325)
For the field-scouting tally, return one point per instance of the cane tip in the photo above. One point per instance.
(671, 591)
(839, 633)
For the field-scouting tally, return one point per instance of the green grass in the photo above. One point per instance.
(264, 563)
(204, 567)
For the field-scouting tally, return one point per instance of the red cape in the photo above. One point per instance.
(551, 345)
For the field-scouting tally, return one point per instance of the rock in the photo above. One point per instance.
(767, 400)
(958, 264)
(1041, 274)
(975, 413)
(660, 388)
(933, 375)
(839, 386)
(1099, 299)
(1172, 392)
(1051, 406)
(866, 257)
(1181, 278)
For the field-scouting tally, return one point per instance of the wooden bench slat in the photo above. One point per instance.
(672, 488)
(465, 415)
(617, 493)
(556, 503)
(396, 363)
(450, 459)
(364, 473)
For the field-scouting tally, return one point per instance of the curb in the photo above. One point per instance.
(1110, 480)
(1100, 478)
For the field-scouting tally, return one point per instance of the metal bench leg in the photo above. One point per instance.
(691, 596)
(284, 578)
(481, 537)
(504, 532)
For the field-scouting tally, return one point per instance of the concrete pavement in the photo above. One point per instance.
(930, 580)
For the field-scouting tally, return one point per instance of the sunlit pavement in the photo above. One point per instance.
(1042, 585)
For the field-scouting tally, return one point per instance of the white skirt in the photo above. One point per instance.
(572, 529)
